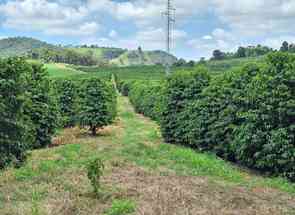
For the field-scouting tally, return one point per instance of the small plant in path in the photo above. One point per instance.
(121, 207)
(95, 170)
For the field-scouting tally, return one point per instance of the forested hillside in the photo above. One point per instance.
(81, 55)
(19, 46)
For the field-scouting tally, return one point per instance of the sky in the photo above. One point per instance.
(201, 25)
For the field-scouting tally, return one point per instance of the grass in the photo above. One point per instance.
(121, 207)
(61, 70)
(127, 73)
(55, 180)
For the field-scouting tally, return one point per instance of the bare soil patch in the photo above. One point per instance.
(188, 195)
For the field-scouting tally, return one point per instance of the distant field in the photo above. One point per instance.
(98, 52)
(225, 65)
(61, 70)
(130, 73)
(137, 72)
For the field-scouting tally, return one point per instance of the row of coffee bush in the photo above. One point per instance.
(146, 98)
(246, 115)
(32, 107)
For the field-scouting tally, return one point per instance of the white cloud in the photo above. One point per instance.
(219, 39)
(276, 42)
(207, 37)
(113, 34)
(48, 17)
(86, 29)
(240, 21)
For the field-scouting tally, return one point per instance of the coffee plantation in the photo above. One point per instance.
(246, 115)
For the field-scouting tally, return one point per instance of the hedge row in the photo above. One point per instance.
(246, 115)
(32, 107)
(27, 110)
(146, 98)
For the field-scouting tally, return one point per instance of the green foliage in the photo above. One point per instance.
(181, 88)
(95, 170)
(97, 104)
(243, 52)
(245, 115)
(41, 108)
(67, 98)
(121, 207)
(13, 139)
(146, 97)
(20, 46)
(63, 55)
(266, 138)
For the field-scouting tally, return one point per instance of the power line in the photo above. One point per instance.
(170, 15)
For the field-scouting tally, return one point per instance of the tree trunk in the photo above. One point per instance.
(93, 130)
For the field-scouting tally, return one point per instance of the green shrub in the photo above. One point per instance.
(13, 128)
(146, 98)
(97, 104)
(125, 87)
(246, 115)
(180, 89)
(214, 117)
(67, 95)
(266, 138)
(95, 170)
(41, 107)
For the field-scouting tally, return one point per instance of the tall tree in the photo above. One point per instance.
(285, 47)
(218, 55)
(241, 52)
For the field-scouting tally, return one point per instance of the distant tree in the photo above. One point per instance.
(202, 61)
(139, 50)
(191, 63)
(179, 63)
(241, 52)
(292, 48)
(285, 47)
(218, 55)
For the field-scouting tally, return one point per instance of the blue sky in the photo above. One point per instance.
(201, 26)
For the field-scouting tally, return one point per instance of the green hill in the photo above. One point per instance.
(19, 46)
(138, 57)
(101, 53)
(38, 50)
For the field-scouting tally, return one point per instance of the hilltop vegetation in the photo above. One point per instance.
(81, 55)
(19, 46)
(140, 57)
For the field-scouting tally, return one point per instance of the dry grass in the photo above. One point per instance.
(187, 195)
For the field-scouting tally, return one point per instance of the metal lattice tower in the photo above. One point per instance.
(170, 15)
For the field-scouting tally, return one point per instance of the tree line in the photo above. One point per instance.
(67, 56)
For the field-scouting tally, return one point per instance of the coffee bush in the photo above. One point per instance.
(97, 104)
(14, 139)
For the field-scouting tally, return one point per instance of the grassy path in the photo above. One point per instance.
(142, 174)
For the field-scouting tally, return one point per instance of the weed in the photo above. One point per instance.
(95, 170)
(121, 207)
